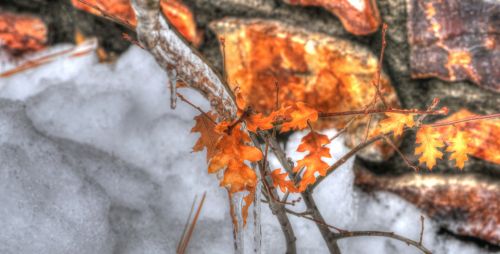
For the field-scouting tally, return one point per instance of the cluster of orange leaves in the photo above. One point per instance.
(430, 139)
(229, 148)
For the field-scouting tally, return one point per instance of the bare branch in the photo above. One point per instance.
(316, 216)
(441, 111)
(422, 222)
(392, 235)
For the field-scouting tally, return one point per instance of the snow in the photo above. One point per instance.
(95, 161)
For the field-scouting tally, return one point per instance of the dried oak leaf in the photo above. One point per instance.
(429, 140)
(458, 147)
(396, 123)
(484, 135)
(299, 114)
(208, 136)
(315, 144)
(280, 180)
(260, 122)
(231, 155)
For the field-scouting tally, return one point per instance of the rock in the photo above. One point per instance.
(465, 204)
(22, 33)
(121, 10)
(455, 40)
(359, 17)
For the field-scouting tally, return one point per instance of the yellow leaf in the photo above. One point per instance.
(458, 148)
(430, 141)
(395, 122)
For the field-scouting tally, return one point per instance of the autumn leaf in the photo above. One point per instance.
(299, 114)
(280, 180)
(396, 123)
(429, 141)
(208, 136)
(312, 164)
(231, 155)
(231, 147)
(457, 145)
(260, 122)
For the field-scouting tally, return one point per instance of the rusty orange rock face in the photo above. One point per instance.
(359, 17)
(465, 204)
(328, 73)
(176, 12)
(21, 33)
(455, 40)
(484, 135)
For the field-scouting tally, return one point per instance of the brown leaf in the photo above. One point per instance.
(208, 136)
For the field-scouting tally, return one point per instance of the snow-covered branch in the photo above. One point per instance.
(178, 59)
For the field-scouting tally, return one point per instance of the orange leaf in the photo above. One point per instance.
(429, 140)
(314, 143)
(231, 154)
(395, 122)
(208, 136)
(279, 180)
(260, 122)
(299, 114)
(458, 148)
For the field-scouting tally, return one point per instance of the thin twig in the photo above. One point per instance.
(407, 161)
(468, 119)
(196, 107)
(380, 111)
(344, 158)
(422, 220)
(341, 131)
(379, 66)
(392, 235)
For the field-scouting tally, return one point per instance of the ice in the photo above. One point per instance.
(95, 161)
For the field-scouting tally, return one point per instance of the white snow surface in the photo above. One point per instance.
(93, 160)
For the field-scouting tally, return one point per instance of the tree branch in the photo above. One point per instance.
(175, 56)
(316, 216)
(278, 209)
(392, 235)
